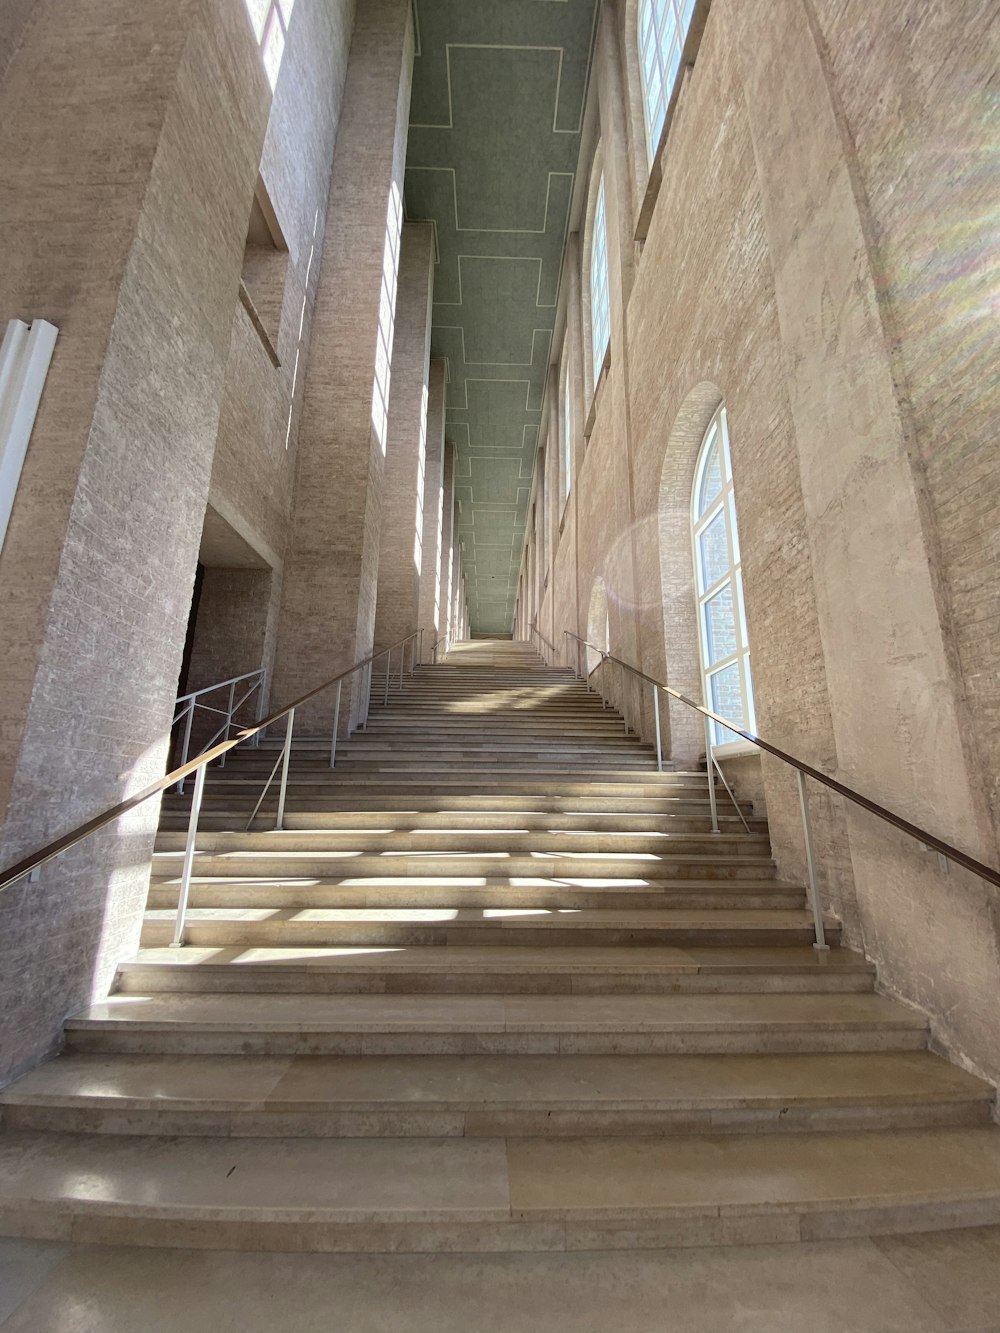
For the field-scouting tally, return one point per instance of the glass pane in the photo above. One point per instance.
(720, 625)
(711, 480)
(714, 552)
(274, 49)
(726, 699)
(258, 11)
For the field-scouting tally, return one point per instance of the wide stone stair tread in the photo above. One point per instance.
(495, 986)
(737, 960)
(547, 969)
(425, 1095)
(498, 1013)
(470, 1193)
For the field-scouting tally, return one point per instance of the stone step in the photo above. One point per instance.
(492, 1194)
(389, 927)
(365, 822)
(253, 862)
(495, 896)
(494, 842)
(359, 1024)
(491, 1096)
(451, 782)
(485, 970)
(500, 806)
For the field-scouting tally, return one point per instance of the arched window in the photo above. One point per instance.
(567, 437)
(600, 314)
(663, 25)
(725, 652)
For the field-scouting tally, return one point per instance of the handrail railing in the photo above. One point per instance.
(191, 704)
(30, 865)
(803, 770)
(533, 629)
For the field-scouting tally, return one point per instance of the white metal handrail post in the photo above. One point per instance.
(388, 671)
(624, 714)
(229, 719)
(817, 911)
(283, 789)
(656, 716)
(187, 741)
(420, 653)
(710, 768)
(336, 724)
(185, 890)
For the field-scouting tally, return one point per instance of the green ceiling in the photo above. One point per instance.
(498, 94)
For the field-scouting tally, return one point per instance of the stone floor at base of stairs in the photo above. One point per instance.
(938, 1282)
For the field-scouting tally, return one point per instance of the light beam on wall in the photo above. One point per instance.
(387, 315)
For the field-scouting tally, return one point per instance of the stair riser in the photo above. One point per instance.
(168, 865)
(102, 1223)
(265, 934)
(437, 841)
(319, 981)
(235, 821)
(763, 1041)
(259, 895)
(336, 787)
(472, 1122)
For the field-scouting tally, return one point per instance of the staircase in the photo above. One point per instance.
(496, 986)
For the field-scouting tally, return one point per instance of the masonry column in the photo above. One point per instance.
(130, 134)
(447, 539)
(331, 567)
(401, 542)
(430, 616)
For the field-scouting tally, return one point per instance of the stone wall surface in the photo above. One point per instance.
(125, 203)
(432, 542)
(401, 543)
(330, 577)
(817, 259)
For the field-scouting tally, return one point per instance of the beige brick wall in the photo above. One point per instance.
(125, 207)
(329, 589)
(817, 260)
(402, 527)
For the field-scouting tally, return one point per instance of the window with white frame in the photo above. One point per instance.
(722, 625)
(600, 314)
(270, 19)
(663, 25)
(567, 437)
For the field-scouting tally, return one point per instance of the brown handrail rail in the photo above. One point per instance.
(53, 849)
(866, 803)
(551, 646)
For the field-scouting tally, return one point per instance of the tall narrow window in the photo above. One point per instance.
(567, 437)
(270, 19)
(725, 652)
(600, 315)
(663, 25)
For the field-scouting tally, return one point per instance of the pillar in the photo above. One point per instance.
(431, 605)
(401, 542)
(447, 541)
(327, 617)
(130, 135)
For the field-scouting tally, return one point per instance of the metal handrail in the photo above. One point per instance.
(366, 666)
(803, 770)
(551, 647)
(30, 865)
(191, 702)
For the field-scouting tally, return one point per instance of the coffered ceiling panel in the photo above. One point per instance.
(495, 117)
